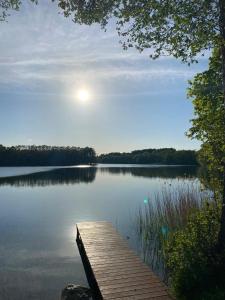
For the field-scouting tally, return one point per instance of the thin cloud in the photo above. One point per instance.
(53, 52)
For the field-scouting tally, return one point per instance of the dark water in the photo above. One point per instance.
(39, 208)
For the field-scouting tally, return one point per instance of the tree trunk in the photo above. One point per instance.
(221, 238)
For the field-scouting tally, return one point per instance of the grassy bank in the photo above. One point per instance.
(178, 230)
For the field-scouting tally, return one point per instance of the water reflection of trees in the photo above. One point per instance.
(52, 177)
(87, 175)
(160, 172)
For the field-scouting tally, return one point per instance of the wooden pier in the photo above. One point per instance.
(113, 270)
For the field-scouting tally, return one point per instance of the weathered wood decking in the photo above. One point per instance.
(113, 270)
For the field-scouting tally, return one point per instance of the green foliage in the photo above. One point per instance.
(208, 126)
(9, 5)
(45, 155)
(6, 5)
(151, 156)
(179, 28)
(195, 271)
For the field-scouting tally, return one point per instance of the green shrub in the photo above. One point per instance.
(195, 270)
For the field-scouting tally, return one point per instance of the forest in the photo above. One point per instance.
(45, 155)
(23, 155)
(168, 156)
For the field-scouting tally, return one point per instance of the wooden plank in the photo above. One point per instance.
(143, 297)
(137, 276)
(132, 293)
(113, 270)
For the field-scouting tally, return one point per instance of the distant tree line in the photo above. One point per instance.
(45, 155)
(151, 156)
(23, 155)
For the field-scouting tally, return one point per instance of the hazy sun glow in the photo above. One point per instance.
(83, 95)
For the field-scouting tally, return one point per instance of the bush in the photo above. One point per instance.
(195, 271)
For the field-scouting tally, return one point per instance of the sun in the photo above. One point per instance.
(83, 95)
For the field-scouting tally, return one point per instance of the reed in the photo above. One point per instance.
(164, 213)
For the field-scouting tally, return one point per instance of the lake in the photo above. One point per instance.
(39, 207)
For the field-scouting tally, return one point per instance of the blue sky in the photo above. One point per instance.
(134, 102)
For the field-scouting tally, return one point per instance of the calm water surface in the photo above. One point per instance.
(39, 207)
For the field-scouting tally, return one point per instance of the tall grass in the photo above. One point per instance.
(164, 213)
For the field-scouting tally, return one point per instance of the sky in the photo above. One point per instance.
(134, 102)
